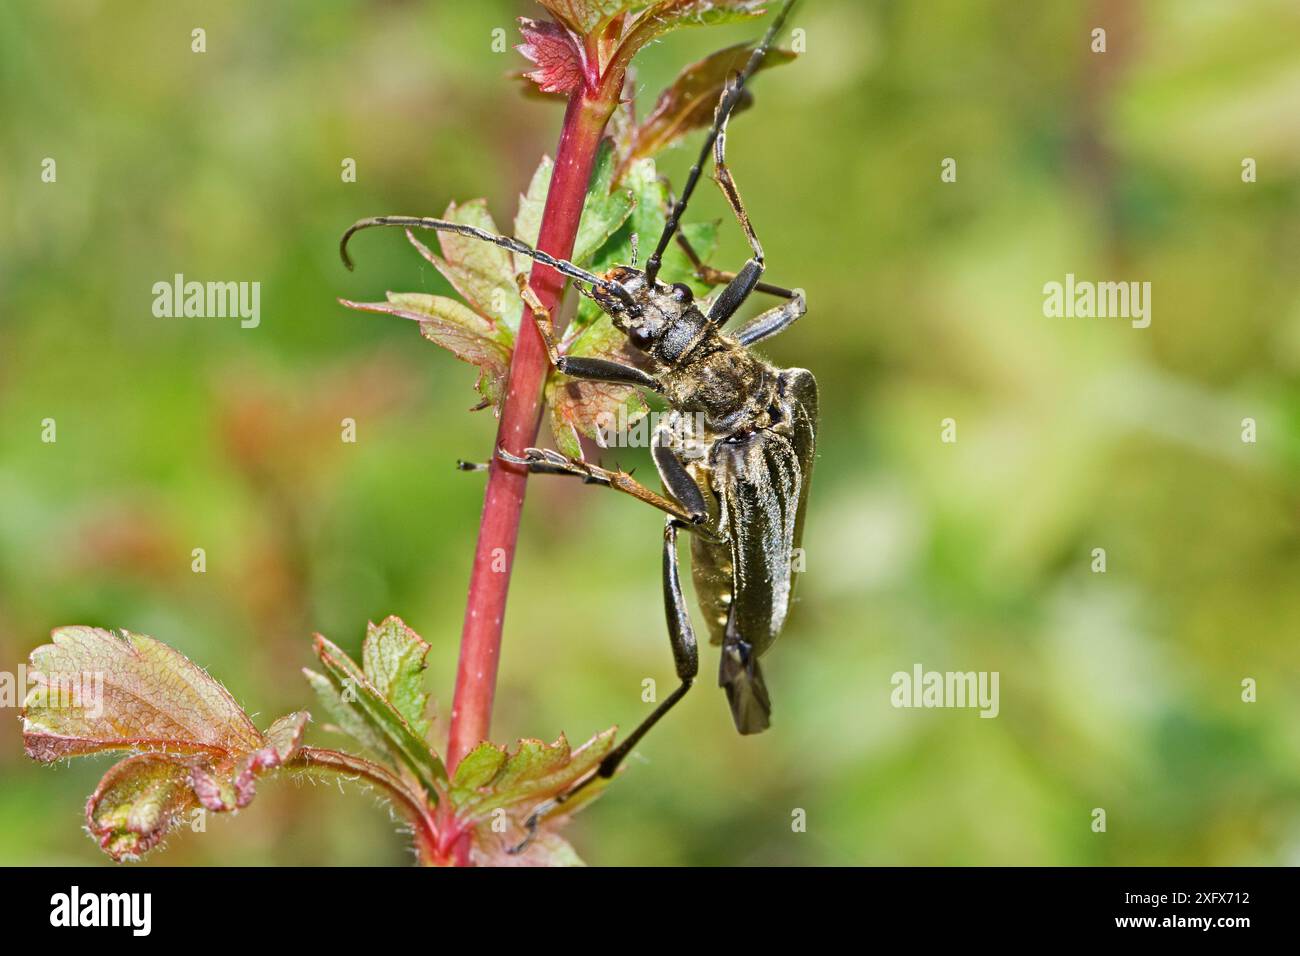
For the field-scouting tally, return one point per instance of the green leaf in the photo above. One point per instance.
(404, 744)
(532, 774)
(586, 17)
(528, 217)
(649, 215)
(483, 332)
(579, 408)
(492, 785)
(563, 430)
(668, 15)
(393, 656)
(605, 209)
(703, 237)
(348, 721)
(478, 769)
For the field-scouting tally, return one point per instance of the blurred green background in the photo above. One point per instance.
(1119, 690)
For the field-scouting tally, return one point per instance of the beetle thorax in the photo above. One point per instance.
(723, 381)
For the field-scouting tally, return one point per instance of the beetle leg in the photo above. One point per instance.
(769, 323)
(535, 468)
(761, 326)
(686, 656)
(737, 291)
(722, 175)
(686, 661)
(730, 97)
(618, 480)
(711, 276)
(603, 370)
(679, 483)
(541, 316)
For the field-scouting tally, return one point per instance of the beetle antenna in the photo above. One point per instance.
(562, 266)
(725, 107)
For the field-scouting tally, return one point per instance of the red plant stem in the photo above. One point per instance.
(480, 644)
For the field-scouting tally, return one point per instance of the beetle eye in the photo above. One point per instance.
(641, 337)
(682, 292)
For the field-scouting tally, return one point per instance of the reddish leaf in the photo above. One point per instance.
(229, 784)
(137, 802)
(481, 272)
(97, 690)
(457, 328)
(283, 738)
(689, 102)
(561, 64)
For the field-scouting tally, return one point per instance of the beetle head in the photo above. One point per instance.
(659, 308)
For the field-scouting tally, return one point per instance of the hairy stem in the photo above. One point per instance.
(480, 645)
(412, 806)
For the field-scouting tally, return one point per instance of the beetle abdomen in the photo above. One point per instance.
(760, 478)
(711, 572)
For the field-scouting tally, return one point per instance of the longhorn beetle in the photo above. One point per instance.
(743, 501)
